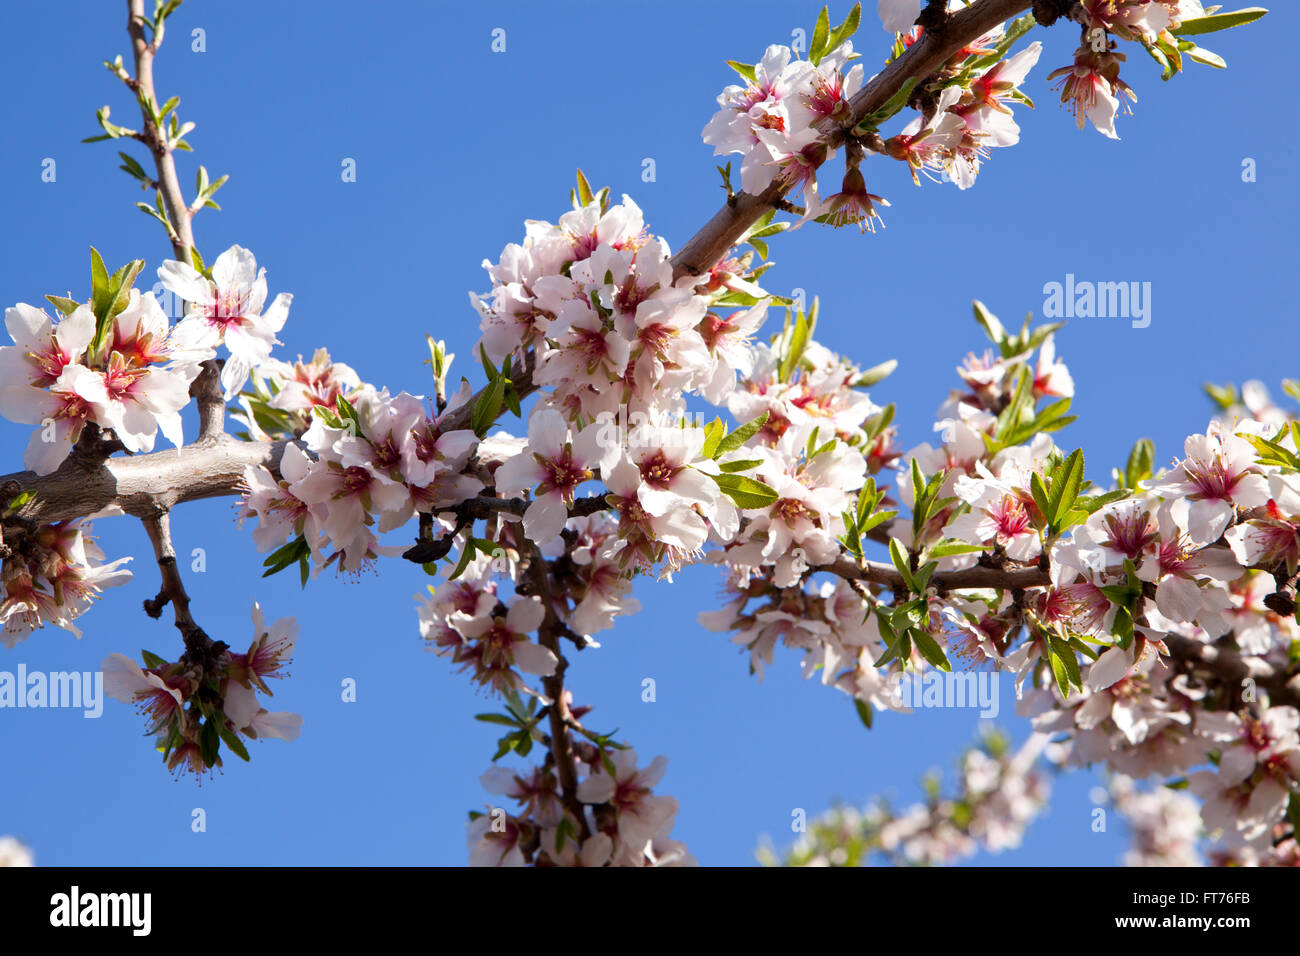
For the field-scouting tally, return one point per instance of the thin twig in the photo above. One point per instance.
(169, 187)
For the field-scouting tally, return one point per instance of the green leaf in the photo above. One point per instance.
(821, 33)
(497, 719)
(733, 466)
(875, 374)
(1069, 663)
(100, 296)
(798, 341)
(152, 660)
(1060, 673)
(1140, 462)
(876, 519)
(1065, 486)
(846, 29)
(65, 305)
(898, 554)
(713, 435)
(209, 742)
(123, 279)
(1225, 396)
(895, 103)
(865, 713)
(746, 492)
(133, 168)
(930, 649)
(1039, 491)
(946, 549)
(1203, 56)
(1219, 21)
(232, 740)
(746, 71)
(741, 435)
(286, 555)
(488, 407)
(585, 196)
(989, 323)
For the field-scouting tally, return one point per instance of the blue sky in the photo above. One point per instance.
(454, 147)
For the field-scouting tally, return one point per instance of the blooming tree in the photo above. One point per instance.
(1150, 625)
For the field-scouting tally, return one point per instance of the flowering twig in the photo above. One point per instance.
(559, 716)
(169, 187)
(703, 250)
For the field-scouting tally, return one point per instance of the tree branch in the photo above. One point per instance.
(559, 715)
(137, 485)
(201, 652)
(703, 250)
(169, 186)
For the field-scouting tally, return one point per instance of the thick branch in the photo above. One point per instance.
(207, 394)
(142, 484)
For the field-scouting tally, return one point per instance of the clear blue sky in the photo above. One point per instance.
(455, 146)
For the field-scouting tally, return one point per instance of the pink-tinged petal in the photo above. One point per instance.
(545, 518)
(1109, 668)
(27, 405)
(1236, 764)
(28, 326)
(123, 678)
(682, 529)
(45, 457)
(282, 725)
(622, 477)
(590, 444)
(183, 280)
(278, 313)
(652, 774)
(897, 16)
(525, 615)
(233, 376)
(1178, 599)
(1251, 491)
(547, 433)
(241, 704)
(598, 788)
(234, 267)
(497, 780)
(74, 332)
(534, 659)
(521, 473)
(660, 501)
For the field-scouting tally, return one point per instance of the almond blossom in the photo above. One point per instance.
(231, 304)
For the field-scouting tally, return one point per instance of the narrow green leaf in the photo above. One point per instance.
(746, 492)
(1219, 21)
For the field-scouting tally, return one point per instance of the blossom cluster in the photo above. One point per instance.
(128, 372)
(53, 576)
(192, 708)
(616, 819)
(999, 793)
(359, 470)
(1120, 585)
